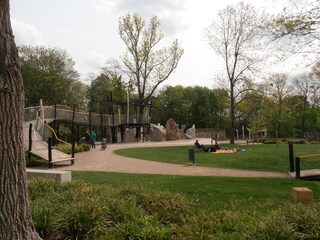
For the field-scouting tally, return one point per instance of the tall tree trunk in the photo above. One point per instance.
(15, 218)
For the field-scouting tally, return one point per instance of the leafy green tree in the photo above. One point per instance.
(279, 91)
(15, 214)
(105, 88)
(146, 66)
(301, 22)
(304, 91)
(193, 105)
(49, 74)
(236, 36)
(249, 108)
(203, 107)
(257, 124)
(314, 74)
(222, 112)
(171, 102)
(295, 108)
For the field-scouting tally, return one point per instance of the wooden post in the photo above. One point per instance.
(73, 139)
(291, 161)
(50, 152)
(55, 140)
(73, 150)
(297, 168)
(30, 141)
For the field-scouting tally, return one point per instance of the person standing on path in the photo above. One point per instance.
(93, 138)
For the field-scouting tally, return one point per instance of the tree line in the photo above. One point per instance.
(239, 35)
(288, 106)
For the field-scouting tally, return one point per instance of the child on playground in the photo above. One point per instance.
(103, 143)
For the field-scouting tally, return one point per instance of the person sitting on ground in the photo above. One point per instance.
(201, 147)
(197, 145)
(215, 144)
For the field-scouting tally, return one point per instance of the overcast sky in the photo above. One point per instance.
(87, 30)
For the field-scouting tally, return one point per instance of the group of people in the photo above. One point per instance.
(200, 147)
(91, 139)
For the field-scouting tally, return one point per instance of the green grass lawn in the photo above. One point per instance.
(266, 157)
(210, 192)
(214, 192)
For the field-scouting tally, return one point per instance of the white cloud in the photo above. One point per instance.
(170, 13)
(105, 5)
(94, 61)
(26, 34)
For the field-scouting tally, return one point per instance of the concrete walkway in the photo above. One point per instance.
(97, 160)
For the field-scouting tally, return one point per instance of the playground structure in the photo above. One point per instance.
(41, 129)
(39, 143)
(43, 124)
(110, 125)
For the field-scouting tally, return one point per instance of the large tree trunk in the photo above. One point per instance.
(15, 218)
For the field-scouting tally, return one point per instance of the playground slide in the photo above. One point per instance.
(40, 148)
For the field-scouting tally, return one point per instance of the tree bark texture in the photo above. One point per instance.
(15, 217)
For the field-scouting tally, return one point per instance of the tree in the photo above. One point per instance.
(300, 21)
(304, 88)
(15, 217)
(49, 74)
(193, 105)
(235, 36)
(250, 108)
(279, 91)
(203, 107)
(222, 110)
(100, 91)
(315, 87)
(147, 67)
(171, 102)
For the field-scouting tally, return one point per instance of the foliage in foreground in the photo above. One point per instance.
(78, 210)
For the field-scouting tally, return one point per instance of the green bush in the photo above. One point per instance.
(64, 148)
(81, 211)
(68, 149)
(284, 140)
(269, 141)
(79, 148)
(86, 146)
(78, 210)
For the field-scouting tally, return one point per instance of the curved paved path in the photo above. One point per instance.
(97, 160)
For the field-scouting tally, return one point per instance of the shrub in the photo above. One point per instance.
(63, 148)
(78, 210)
(84, 146)
(269, 141)
(68, 149)
(283, 140)
(79, 148)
